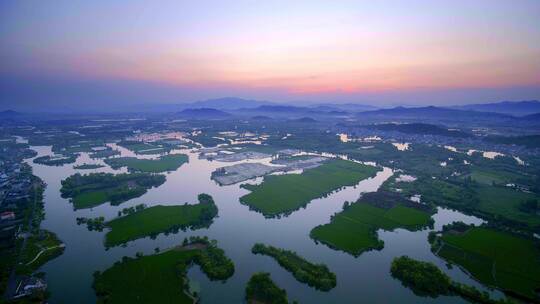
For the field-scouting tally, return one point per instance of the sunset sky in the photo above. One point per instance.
(379, 52)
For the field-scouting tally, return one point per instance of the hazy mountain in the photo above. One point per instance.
(419, 128)
(432, 113)
(304, 120)
(517, 108)
(227, 103)
(532, 117)
(279, 109)
(349, 107)
(203, 113)
(9, 114)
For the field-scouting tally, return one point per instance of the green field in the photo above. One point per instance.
(144, 148)
(282, 194)
(489, 176)
(160, 278)
(354, 229)
(495, 258)
(154, 220)
(505, 202)
(90, 190)
(156, 278)
(169, 162)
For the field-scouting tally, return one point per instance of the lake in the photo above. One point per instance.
(364, 279)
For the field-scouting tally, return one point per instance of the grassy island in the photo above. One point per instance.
(262, 290)
(94, 189)
(164, 163)
(283, 194)
(160, 278)
(57, 160)
(104, 153)
(315, 275)
(144, 148)
(88, 166)
(495, 258)
(354, 230)
(426, 279)
(158, 219)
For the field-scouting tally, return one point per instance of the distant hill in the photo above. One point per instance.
(348, 107)
(532, 117)
(304, 120)
(10, 114)
(419, 128)
(280, 109)
(529, 141)
(203, 113)
(517, 108)
(261, 117)
(228, 103)
(433, 113)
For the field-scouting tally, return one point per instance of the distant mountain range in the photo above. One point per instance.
(516, 108)
(203, 113)
(9, 114)
(419, 128)
(432, 113)
(228, 103)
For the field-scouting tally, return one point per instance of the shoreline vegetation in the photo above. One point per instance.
(315, 275)
(94, 189)
(164, 163)
(496, 258)
(158, 219)
(58, 160)
(86, 166)
(283, 194)
(427, 280)
(33, 248)
(354, 230)
(161, 277)
(261, 289)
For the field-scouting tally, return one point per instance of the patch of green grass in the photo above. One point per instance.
(496, 258)
(154, 220)
(144, 148)
(504, 202)
(156, 278)
(90, 190)
(160, 278)
(488, 177)
(282, 194)
(90, 199)
(169, 162)
(354, 229)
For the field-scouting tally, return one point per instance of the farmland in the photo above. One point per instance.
(495, 258)
(157, 219)
(282, 194)
(354, 229)
(164, 163)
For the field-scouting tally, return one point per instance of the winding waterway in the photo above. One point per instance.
(364, 279)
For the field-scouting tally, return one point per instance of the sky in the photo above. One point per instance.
(78, 53)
